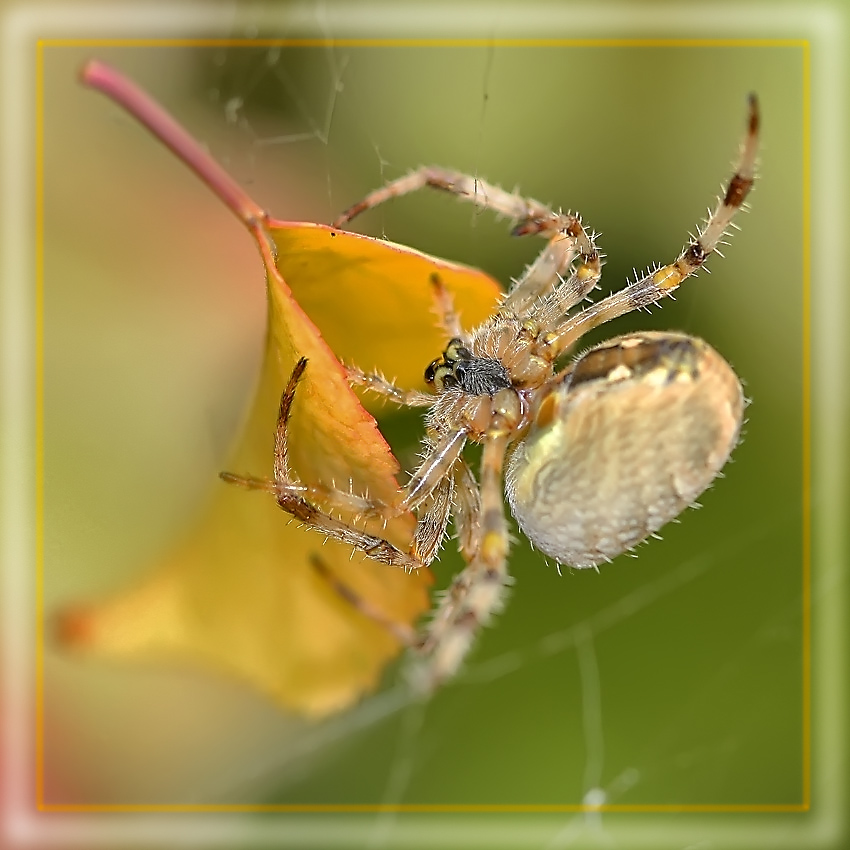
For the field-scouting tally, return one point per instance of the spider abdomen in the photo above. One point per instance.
(638, 428)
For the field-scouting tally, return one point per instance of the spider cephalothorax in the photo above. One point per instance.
(593, 457)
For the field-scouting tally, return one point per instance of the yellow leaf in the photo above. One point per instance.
(372, 300)
(240, 593)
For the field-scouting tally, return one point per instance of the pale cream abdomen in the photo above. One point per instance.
(640, 427)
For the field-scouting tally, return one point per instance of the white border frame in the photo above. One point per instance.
(825, 26)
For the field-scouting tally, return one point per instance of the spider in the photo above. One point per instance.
(594, 456)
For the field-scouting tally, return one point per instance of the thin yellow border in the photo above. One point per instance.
(447, 808)
(807, 435)
(424, 42)
(39, 427)
(435, 808)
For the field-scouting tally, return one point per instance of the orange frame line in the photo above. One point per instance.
(422, 42)
(434, 808)
(693, 808)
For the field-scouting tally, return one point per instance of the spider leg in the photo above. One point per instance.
(430, 533)
(289, 496)
(379, 384)
(440, 457)
(433, 518)
(567, 236)
(552, 275)
(477, 592)
(293, 497)
(548, 309)
(429, 492)
(658, 284)
(403, 633)
(548, 269)
(467, 510)
(447, 317)
(464, 186)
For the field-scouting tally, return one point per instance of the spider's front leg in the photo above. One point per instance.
(568, 238)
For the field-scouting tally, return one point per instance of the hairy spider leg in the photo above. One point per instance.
(546, 271)
(662, 282)
(377, 383)
(549, 309)
(440, 456)
(546, 278)
(432, 519)
(548, 303)
(404, 634)
(448, 321)
(567, 236)
(467, 510)
(478, 591)
(426, 492)
(290, 494)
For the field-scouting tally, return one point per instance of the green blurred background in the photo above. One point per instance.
(673, 678)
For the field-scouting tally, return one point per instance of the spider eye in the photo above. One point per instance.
(456, 350)
(431, 371)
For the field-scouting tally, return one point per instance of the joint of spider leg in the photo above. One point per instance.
(297, 507)
(695, 255)
(546, 347)
(529, 227)
(667, 278)
(738, 189)
(589, 268)
(493, 549)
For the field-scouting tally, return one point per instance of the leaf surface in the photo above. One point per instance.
(239, 592)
